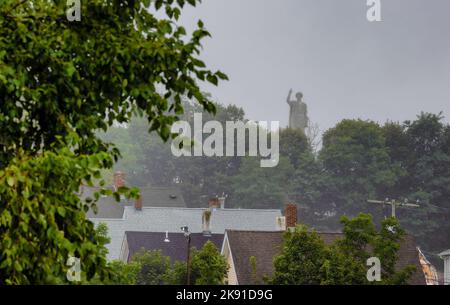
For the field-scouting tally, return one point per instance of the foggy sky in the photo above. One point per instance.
(346, 66)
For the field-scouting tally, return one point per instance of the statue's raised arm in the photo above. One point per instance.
(288, 100)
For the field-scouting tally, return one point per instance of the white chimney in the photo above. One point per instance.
(281, 223)
(222, 201)
(206, 220)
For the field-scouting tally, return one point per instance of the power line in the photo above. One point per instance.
(438, 207)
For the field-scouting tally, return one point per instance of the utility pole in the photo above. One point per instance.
(187, 234)
(394, 204)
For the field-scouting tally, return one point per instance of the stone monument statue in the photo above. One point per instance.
(298, 113)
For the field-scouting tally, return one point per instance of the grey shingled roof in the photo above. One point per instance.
(176, 248)
(151, 219)
(108, 207)
(264, 246)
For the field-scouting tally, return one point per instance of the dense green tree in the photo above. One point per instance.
(258, 187)
(60, 82)
(426, 160)
(294, 144)
(311, 188)
(122, 274)
(149, 160)
(355, 156)
(208, 267)
(301, 258)
(154, 267)
(42, 220)
(306, 259)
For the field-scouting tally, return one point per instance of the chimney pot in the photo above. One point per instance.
(138, 204)
(290, 213)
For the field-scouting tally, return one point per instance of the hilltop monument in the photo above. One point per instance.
(298, 113)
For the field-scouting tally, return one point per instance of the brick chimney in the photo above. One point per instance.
(214, 203)
(138, 204)
(290, 213)
(119, 180)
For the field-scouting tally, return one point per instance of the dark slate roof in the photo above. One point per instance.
(176, 249)
(162, 197)
(108, 207)
(264, 246)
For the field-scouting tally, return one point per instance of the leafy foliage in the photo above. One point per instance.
(409, 161)
(355, 155)
(209, 267)
(256, 187)
(59, 76)
(121, 274)
(306, 260)
(154, 267)
(42, 220)
(60, 82)
(302, 256)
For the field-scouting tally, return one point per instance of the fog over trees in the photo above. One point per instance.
(358, 160)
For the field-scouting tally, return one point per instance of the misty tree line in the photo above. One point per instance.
(358, 160)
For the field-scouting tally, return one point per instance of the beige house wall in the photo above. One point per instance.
(231, 274)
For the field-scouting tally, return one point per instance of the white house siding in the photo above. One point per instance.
(447, 270)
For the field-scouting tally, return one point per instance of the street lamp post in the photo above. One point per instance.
(187, 234)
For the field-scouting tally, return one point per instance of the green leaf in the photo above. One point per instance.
(70, 69)
(10, 181)
(61, 211)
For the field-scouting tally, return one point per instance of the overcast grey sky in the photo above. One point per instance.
(346, 66)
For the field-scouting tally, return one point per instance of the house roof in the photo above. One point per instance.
(162, 197)
(264, 246)
(176, 248)
(445, 253)
(108, 207)
(430, 272)
(152, 219)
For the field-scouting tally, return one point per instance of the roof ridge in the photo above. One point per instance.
(169, 232)
(254, 231)
(204, 208)
(159, 187)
